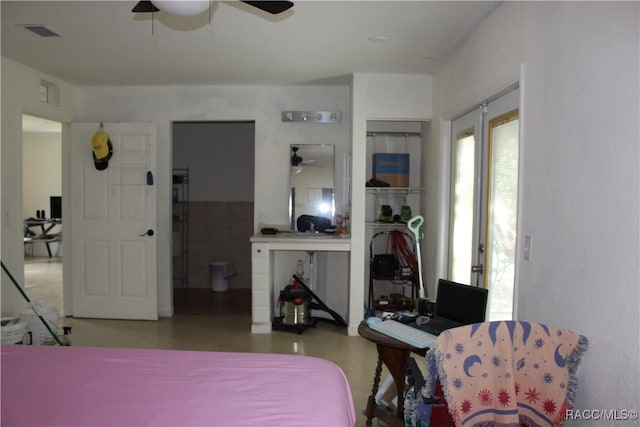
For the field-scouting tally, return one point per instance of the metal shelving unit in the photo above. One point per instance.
(396, 291)
(406, 274)
(180, 230)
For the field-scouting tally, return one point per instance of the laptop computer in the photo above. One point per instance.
(456, 305)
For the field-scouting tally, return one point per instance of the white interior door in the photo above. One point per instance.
(113, 223)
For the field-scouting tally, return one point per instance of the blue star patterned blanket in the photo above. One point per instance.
(506, 373)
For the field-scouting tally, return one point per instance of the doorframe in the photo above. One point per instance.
(445, 135)
(64, 150)
(206, 121)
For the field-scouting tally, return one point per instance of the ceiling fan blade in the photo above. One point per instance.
(144, 7)
(273, 7)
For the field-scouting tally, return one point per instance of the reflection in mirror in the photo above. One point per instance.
(312, 186)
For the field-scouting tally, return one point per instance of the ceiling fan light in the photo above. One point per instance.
(183, 8)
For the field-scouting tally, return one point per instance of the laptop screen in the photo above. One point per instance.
(463, 303)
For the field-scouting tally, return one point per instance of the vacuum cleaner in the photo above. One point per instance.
(296, 302)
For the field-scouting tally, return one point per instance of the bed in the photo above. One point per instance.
(87, 386)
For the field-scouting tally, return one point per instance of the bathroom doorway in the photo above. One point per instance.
(215, 210)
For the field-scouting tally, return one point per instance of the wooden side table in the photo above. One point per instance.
(393, 353)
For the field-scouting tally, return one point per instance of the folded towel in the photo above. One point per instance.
(506, 374)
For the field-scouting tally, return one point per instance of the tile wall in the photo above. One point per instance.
(220, 232)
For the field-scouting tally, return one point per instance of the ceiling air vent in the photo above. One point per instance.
(40, 30)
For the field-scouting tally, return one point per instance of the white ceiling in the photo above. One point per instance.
(315, 42)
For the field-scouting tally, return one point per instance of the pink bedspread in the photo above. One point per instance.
(84, 386)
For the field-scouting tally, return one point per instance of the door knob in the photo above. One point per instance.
(148, 233)
(477, 268)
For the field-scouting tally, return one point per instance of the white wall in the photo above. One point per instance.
(580, 180)
(162, 105)
(220, 158)
(262, 104)
(405, 97)
(41, 178)
(579, 175)
(42, 171)
(375, 97)
(21, 94)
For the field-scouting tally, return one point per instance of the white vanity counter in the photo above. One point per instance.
(311, 240)
(262, 256)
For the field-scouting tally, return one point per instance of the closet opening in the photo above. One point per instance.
(395, 193)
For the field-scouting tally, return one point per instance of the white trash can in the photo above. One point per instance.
(220, 272)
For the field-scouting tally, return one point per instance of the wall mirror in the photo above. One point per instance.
(312, 181)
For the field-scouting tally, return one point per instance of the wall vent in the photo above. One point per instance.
(40, 30)
(49, 93)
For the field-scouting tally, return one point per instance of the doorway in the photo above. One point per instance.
(42, 210)
(484, 201)
(215, 209)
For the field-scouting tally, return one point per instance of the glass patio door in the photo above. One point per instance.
(484, 201)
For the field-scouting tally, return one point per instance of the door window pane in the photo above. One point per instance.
(502, 215)
(463, 206)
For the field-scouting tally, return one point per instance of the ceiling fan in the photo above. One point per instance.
(298, 163)
(273, 7)
(296, 160)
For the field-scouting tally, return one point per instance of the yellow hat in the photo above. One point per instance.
(102, 149)
(100, 146)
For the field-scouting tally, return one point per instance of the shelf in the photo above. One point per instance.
(398, 190)
(385, 225)
(394, 302)
(408, 278)
(180, 227)
(387, 133)
(394, 307)
(396, 198)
